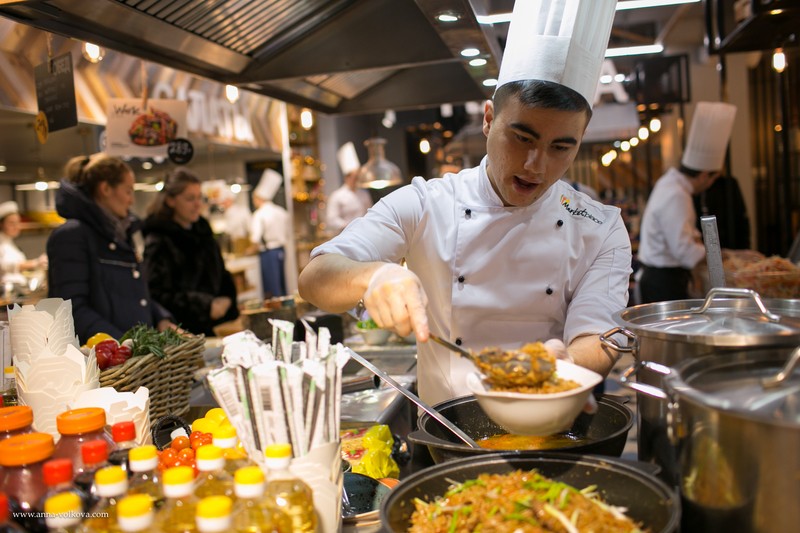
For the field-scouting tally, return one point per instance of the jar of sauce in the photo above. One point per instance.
(76, 427)
(15, 420)
(22, 458)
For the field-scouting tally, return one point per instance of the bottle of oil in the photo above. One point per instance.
(145, 479)
(111, 484)
(63, 512)
(135, 513)
(57, 474)
(251, 513)
(124, 435)
(95, 456)
(287, 492)
(178, 513)
(9, 394)
(212, 479)
(214, 514)
(235, 456)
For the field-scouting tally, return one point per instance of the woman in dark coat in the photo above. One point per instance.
(183, 261)
(95, 256)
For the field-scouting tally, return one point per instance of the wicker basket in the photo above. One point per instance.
(169, 379)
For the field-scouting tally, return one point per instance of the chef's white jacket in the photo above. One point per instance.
(668, 235)
(345, 205)
(494, 275)
(10, 259)
(270, 226)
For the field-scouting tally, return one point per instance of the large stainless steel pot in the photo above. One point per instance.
(671, 332)
(737, 440)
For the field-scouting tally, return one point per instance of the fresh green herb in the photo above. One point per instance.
(464, 486)
(521, 518)
(149, 340)
(367, 324)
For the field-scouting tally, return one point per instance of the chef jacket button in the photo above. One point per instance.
(136, 274)
(143, 302)
(461, 279)
(549, 290)
(560, 223)
(468, 212)
(458, 341)
(112, 246)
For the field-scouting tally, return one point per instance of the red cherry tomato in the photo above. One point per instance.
(180, 443)
(186, 454)
(168, 457)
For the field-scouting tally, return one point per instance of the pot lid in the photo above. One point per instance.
(727, 317)
(735, 383)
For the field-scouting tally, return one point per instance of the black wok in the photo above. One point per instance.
(605, 432)
(648, 499)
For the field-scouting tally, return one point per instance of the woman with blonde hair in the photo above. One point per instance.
(96, 255)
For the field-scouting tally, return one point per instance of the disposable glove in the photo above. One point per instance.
(556, 348)
(396, 301)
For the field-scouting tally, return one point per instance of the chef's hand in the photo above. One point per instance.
(396, 301)
(556, 348)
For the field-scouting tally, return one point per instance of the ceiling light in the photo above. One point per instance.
(424, 146)
(634, 141)
(389, 118)
(477, 62)
(644, 133)
(655, 125)
(159, 185)
(378, 172)
(41, 185)
(779, 60)
(619, 78)
(616, 144)
(3, 168)
(606, 78)
(306, 119)
(470, 52)
(92, 53)
(490, 82)
(624, 146)
(447, 16)
(236, 188)
(635, 50)
(232, 93)
(147, 165)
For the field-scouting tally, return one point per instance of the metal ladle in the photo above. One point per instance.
(466, 439)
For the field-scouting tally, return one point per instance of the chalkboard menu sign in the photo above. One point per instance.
(55, 92)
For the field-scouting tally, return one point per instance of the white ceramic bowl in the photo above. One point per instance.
(375, 337)
(536, 414)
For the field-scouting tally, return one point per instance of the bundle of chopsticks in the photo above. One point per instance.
(281, 392)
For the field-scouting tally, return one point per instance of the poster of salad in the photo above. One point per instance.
(135, 131)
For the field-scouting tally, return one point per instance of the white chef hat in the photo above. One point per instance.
(348, 158)
(709, 135)
(7, 208)
(562, 41)
(268, 185)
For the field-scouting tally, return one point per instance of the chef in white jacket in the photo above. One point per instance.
(670, 245)
(348, 202)
(12, 260)
(504, 253)
(270, 229)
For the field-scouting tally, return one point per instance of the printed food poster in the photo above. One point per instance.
(134, 131)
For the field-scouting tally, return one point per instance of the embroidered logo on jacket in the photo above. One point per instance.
(578, 212)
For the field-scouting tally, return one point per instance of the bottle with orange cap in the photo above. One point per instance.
(15, 420)
(135, 513)
(58, 478)
(287, 492)
(6, 524)
(22, 458)
(178, 513)
(94, 456)
(63, 512)
(145, 479)
(111, 483)
(213, 514)
(124, 436)
(76, 427)
(251, 514)
(212, 479)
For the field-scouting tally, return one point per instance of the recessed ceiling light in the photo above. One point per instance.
(447, 16)
(477, 62)
(470, 52)
(490, 82)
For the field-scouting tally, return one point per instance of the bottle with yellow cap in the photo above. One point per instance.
(226, 439)
(145, 479)
(214, 514)
(212, 479)
(9, 394)
(135, 513)
(111, 484)
(251, 513)
(178, 513)
(287, 492)
(63, 512)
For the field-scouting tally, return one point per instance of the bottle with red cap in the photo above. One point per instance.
(77, 426)
(6, 524)
(58, 478)
(15, 420)
(124, 435)
(95, 456)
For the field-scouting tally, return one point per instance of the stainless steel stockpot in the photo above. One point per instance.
(736, 438)
(668, 333)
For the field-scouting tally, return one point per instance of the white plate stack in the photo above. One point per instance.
(50, 368)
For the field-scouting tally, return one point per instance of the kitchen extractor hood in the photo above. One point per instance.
(334, 56)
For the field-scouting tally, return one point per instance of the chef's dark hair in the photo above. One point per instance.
(543, 94)
(175, 183)
(89, 172)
